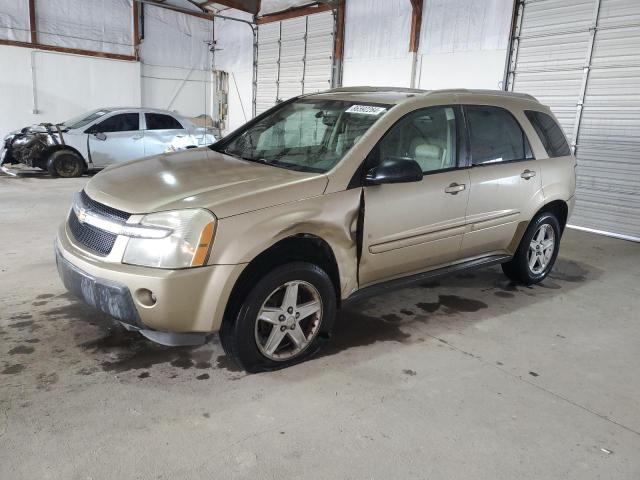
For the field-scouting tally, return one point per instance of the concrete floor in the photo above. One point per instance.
(466, 377)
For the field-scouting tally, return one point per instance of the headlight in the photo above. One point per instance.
(188, 244)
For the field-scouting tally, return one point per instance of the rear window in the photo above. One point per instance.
(550, 133)
(158, 121)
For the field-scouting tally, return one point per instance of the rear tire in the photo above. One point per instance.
(537, 251)
(283, 320)
(65, 164)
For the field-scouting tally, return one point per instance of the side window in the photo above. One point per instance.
(495, 135)
(427, 136)
(159, 121)
(123, 122)
(550, 134)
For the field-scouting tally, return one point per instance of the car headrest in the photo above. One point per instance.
(427, 151)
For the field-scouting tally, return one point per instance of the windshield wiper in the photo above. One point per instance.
(244, 157)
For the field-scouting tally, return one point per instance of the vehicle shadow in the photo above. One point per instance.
(454, 302)
(87, 342)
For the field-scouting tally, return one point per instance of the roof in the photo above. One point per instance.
(139, 109)
(400, 94)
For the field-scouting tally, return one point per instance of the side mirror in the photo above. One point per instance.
(100, 136)
(394, 170)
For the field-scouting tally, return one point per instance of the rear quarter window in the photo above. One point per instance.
(550, 133)
(158, 121)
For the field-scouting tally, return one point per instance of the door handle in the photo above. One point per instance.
(454, 188)
(136, 137)
(527, 174)
(181, 135)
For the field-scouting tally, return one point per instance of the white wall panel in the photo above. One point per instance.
(66, 85)
(14, 20)
(97, 25)
(186, 91)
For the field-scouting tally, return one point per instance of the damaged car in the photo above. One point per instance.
(100, 138)
(323, 200)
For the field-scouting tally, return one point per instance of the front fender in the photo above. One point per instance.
(333, 218)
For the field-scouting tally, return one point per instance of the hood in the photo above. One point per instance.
(36, 129)
(203, 178)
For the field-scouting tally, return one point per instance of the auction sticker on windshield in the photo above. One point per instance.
(366, 109)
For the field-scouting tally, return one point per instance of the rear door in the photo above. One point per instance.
(117, 138)
(505, 179)
(164, 133)
(413, 227)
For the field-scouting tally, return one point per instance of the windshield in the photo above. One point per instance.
(308, 135)
(84, 119)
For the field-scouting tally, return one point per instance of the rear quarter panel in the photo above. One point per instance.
(559, 179)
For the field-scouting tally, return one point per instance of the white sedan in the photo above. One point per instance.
(100, 138)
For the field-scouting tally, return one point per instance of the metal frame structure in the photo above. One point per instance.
(585, 75)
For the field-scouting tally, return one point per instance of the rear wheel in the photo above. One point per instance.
(537, 251)
(283, 320)
(66, 164)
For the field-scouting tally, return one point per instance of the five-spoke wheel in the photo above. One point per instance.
(537, 252)
(288, 320)
(283, 318)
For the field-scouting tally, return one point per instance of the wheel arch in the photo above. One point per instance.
(559, 208)
(305, 247)
(55, 148)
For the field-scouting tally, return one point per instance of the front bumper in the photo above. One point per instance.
(111, 298)
(187, 300)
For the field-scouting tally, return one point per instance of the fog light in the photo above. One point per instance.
(145, 297)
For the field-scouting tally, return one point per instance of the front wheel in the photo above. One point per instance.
(537, 251)
(65, 164)
(283, 320)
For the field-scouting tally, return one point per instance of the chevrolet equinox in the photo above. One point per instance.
(321, 200)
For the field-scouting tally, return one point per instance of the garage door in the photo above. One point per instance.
(295, 56)
(582, 58)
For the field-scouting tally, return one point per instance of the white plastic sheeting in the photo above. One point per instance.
(463, 43)
(376, 43)
(176, 39)
(97, 25)
(273, 6)
(450, 26)
(14, 20)
(266, 6)
(234, 55)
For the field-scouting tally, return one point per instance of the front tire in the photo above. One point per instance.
(283, 320)
(65, 164)
(537, 251)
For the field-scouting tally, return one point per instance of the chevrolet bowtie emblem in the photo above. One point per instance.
(81, 214)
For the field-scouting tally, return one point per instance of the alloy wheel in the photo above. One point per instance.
(288, 320)
(541, 249)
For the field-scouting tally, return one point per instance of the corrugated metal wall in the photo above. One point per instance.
(295, 56)
(582, 58)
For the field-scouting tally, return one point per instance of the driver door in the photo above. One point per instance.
(413, 227)
(117, 138)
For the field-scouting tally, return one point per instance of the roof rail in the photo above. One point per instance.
(365, 89)
(498, 93)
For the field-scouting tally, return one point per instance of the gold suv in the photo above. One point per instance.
(323, 199)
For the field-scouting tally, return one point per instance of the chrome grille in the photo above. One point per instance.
(101, 209)
(96, 240)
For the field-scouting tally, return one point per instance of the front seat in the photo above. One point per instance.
(428, 155)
